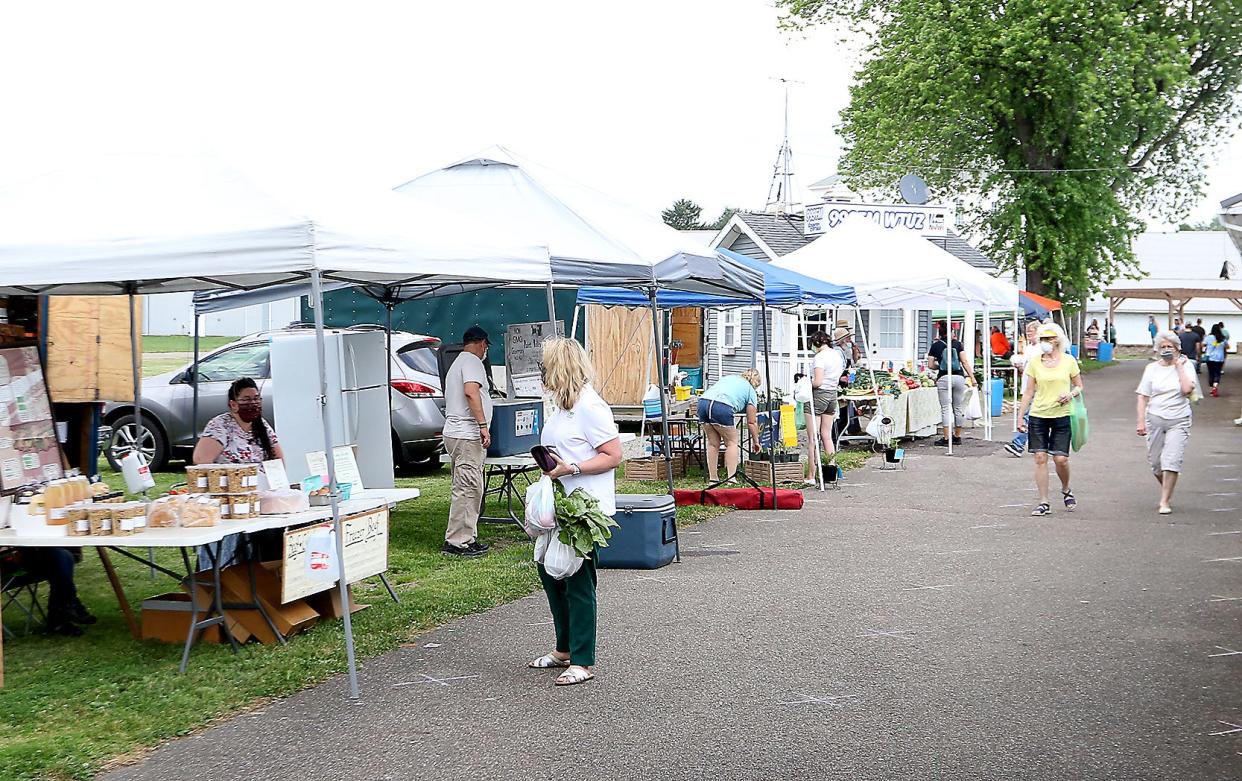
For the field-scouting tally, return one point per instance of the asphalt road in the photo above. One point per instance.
(914, 625)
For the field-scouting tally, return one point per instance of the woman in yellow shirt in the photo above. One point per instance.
(1054, 381)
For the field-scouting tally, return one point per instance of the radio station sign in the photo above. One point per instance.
(923, 220)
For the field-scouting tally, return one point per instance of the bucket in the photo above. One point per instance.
(681, 392)
(1105, 352)
(998, 396)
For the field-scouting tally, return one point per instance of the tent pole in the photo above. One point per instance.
(987, 372)
(573, 331)
(389, 306)
(767, 371)
(551, 311)
(334, 494)
(659, 353)
(948, 366)
(135, 365)
(194, 381)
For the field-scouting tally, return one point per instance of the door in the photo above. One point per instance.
(216, 373)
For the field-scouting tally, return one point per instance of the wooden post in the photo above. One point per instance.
(120, 594)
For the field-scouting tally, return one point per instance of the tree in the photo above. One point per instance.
(1060, 120)
(723, 219)
(684, 215)
(1202, 225)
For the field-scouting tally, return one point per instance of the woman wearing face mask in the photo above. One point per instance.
(1164, 413)
(239, 436)
(1051, 383)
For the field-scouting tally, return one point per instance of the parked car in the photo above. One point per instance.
(167, 399)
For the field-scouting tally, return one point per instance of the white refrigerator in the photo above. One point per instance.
(357, 403)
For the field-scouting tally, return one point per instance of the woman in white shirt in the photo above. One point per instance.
(587, 451)
(1164, 413)
(826, 370)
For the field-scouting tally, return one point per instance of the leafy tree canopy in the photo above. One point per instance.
(683, 215)
(1060, 120)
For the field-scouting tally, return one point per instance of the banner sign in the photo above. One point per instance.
(923, 220)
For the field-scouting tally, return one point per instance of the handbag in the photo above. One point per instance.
(1079, 426)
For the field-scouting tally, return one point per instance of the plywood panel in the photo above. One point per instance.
(72, 348)
(88, 348)
(619, 341)
(688, 329)
(116, 379)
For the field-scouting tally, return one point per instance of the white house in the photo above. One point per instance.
(1185, 259)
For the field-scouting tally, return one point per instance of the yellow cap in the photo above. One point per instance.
(1048, 331)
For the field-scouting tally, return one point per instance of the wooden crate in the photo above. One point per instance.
(653, 469)
(88, 348)
(762, 472)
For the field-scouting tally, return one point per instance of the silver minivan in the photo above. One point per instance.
(167, 399)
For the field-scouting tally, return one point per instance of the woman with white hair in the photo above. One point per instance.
(1052, 382)
(729, 396)
(582, 438)
(1164, 413)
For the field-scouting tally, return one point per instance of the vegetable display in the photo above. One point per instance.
(583, 525)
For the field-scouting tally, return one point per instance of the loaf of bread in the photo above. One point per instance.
(165, 512)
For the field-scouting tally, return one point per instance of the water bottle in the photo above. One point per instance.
(136, 472)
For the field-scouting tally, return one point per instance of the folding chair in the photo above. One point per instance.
(20, 589)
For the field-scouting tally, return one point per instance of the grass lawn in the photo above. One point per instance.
(70, 706)
(178, 343)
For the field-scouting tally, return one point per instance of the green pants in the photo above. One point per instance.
(572, 601)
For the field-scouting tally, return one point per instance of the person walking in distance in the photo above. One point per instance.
(1191, 346)
(582, 438)
(1152, 328)
(826, 370)
(1164, 416)
(950, 362)
(1030, 352)
(1052, 382)
(1214, 349)
(467, 415)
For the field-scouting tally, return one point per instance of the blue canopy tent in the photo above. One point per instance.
(782, 288)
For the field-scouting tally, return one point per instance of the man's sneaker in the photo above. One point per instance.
(465, 551)
(1013, 450)
(479, 547)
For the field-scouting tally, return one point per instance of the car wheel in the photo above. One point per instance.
(124, 434)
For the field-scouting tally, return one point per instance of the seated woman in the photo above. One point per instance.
(66, 615)
(241, 435)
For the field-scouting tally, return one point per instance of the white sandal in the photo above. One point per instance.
(574, 675)
(547, 661)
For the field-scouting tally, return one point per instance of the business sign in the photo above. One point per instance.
(305, 554)
(924, 220)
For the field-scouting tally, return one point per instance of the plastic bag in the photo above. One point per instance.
(803, 392)
(974, 410)
(558, 559)
(1079, 427)
(540, 507)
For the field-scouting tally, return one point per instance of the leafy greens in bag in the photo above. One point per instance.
(582, 524)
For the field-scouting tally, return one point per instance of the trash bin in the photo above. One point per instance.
(1074, 350)
(998, 396)
(1105, 352)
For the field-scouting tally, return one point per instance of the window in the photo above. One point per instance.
(731, 328)
(247, 360)
(892, 327)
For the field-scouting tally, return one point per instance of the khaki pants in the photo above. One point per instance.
(463, 520)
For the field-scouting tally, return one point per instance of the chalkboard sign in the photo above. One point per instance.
(523, 351)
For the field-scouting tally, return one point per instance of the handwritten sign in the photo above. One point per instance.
(274, 474)
(524, 346)
(347, 473)
(366, 553)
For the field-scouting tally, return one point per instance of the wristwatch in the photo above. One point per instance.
(577, 470)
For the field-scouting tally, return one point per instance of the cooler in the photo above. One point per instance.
(647, 535)
(516, 426)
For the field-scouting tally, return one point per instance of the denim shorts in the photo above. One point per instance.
(1050, 435)
(713, 411)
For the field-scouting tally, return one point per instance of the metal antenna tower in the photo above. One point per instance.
(780, 191)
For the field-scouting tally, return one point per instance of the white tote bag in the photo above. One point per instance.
(558, 559)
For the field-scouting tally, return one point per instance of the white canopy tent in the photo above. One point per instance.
(151, 225)
(899, 270)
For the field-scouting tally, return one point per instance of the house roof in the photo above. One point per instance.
(1231, 201)
(784, 233)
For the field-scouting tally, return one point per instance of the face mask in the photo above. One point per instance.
(249, 413)
(1166, 354)
(1045, 347)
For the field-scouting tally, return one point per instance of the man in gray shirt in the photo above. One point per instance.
(467, 415)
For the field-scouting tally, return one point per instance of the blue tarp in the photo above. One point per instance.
(781, 288)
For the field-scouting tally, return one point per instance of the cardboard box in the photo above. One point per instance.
(328, 603)
(289, 618)
(204, 594)
(166, 618)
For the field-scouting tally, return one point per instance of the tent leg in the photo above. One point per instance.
(573, 330)
(767, 372)
(948, 354)
(334, 494)
(399, 452)
(135, 364)
(194, 381)
(662, 380)
(551, 311)
(987, 373)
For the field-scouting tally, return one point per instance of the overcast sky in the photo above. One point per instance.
(651, 102)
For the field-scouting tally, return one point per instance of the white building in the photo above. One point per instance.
(1184, 259)
(173, 313)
